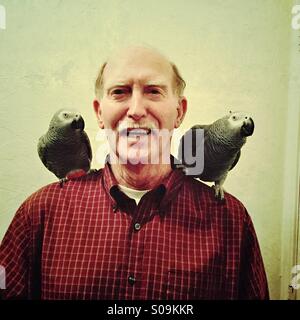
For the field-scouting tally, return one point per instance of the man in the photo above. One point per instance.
(136, 229)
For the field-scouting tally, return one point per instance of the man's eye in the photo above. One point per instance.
(153, 91)
(118, 91)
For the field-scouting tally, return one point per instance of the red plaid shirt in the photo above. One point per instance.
(88, 240)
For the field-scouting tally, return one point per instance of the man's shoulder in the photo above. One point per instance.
(53, 191)
(203, 195)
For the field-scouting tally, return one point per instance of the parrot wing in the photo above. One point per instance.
(205, 127)
(86, 141)
(235, 160)
(201, 126)
(43, 153)
(189, 134)
(42, 150)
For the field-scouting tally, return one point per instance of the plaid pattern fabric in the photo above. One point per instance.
(88, 240)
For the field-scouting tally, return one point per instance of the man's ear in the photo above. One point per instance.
(97, 109)
(181, 110)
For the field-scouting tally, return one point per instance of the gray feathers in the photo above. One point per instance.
(223, 140)
(65, 147)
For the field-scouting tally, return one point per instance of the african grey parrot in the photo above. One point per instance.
(222, 144)
(65, 148)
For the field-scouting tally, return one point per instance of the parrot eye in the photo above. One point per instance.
(234, 117)
(65, 115)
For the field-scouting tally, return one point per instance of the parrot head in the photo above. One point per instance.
(242, 122)
(67, 119)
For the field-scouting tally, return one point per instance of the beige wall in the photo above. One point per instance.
(233, 54)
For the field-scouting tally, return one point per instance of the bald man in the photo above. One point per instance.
(138, 228)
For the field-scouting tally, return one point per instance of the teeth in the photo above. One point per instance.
(138, 132)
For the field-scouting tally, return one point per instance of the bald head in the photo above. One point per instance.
(132, 57)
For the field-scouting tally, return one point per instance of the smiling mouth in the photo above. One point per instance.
(136, 132)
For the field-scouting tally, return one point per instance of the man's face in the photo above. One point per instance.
(138, 102)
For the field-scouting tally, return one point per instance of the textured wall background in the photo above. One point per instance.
(233, 55)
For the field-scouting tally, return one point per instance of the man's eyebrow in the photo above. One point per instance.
(157, 84)
(117, 85)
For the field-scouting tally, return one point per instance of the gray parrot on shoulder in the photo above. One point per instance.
(65, 148)
(223, 140)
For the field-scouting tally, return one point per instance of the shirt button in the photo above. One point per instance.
(131, 280)
(137, 226)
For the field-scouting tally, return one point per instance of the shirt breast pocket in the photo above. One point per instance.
(189, 285)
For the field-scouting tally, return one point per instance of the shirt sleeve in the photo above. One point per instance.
(252, 281)
(14, 257)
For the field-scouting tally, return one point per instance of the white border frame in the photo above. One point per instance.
(290, 212)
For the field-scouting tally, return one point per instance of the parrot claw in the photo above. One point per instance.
(219, 190)
(62, 181)
(219, 193)
(91, 171)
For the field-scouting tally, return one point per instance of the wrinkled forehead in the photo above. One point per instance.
(141, 65)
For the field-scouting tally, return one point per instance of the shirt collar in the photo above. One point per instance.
(163, 194)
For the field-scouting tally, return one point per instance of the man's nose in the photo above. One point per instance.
(137, 108)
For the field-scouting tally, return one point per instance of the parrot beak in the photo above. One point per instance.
(247, 128)
(78, 124)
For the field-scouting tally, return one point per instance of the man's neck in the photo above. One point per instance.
(141, 176)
